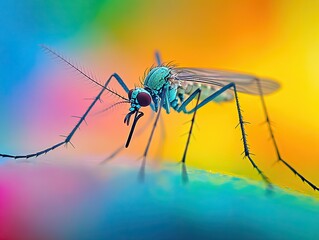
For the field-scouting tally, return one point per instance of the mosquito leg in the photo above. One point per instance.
(184, 173)
(158, 58)
(82, 119)
(160, 146)
(244, 138)
(163, 132)
(122, 147)
(142, 168)
(184, 169)
(191, 128)
(274, 140)
(261, 94)
(112, 155)
(182, 107)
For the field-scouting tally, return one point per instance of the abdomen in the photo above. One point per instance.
(188, 88)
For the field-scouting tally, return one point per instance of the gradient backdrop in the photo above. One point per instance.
(277, 39)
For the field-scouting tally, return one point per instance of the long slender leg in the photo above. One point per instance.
(160, 146)
(184, 173)
(112, 155)
(267, 118)
(119, 149)
(158, 58)
(69, 137)
(184, 169)
(142, 168)
(279, 158)
(241, 121)
(191, 128)
(159, 63)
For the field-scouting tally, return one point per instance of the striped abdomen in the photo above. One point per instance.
(206, 90)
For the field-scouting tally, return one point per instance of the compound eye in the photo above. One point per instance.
(144, 99)
(130, 94)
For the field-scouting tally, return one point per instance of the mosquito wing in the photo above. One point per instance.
(245, 83)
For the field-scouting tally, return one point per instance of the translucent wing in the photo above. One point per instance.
(245, 83)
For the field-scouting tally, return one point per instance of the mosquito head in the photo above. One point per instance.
(139, 97)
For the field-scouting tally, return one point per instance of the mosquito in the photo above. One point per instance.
(173, 89)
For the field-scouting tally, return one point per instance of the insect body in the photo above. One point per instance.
(163, 78)
(174, 88)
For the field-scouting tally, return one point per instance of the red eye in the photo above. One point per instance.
(130, 94)
(144, 99)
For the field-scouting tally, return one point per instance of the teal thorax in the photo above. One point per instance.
(155, 82)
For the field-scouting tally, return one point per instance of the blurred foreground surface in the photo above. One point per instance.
(45, 201)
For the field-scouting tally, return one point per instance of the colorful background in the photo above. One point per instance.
(276, 39)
